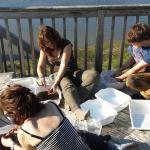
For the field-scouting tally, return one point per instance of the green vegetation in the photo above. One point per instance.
(91, 55)
(80, 59)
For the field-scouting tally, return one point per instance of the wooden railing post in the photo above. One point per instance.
(64, 27)
(32, 47)
(99, 41)
(75, 37)
(86, 44)
(111, 43)
(9, 45)
(123, 41)
(21, 48)
(1, 60)
(3, 54)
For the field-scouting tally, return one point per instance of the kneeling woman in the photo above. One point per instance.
(41, 126)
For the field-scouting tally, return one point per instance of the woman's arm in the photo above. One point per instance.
(141, 65)
(8, 142)
(26, 141)
(41, 64)
(64, 62)
(41, 68)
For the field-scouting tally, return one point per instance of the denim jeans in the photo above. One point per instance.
(140, 82)
(77, 86)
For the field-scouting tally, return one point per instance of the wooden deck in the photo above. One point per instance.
(120, 128)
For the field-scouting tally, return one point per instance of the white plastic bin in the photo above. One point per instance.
(28, 82)
(42, 89)
(140, 114)
(101, 112)
(115, 98)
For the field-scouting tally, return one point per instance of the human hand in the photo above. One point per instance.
(120, 78)
(52, 89)
(117, 73)
(11, 132)
(7, 142)
(42, 81)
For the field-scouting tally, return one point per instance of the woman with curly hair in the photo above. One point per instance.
(40, 126)
(76, 85)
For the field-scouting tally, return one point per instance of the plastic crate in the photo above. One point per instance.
(100, 111)
(115, 98)
(140, 114)
(28, 82)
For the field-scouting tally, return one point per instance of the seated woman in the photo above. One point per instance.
(40, 126)
(76, 85)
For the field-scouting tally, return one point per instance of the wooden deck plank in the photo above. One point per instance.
(121, 128)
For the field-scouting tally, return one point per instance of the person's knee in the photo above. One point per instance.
(131, 81)
(66, 84)
(90, 76)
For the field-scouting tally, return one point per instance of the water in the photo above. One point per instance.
(29, 3)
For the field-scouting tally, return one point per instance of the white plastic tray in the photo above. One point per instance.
(28, 82)
(100, 111)
(140, 114)
(115, 98)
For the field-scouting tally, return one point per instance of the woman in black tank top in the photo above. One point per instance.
(76, 85)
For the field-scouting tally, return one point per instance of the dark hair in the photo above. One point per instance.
(52, 35)
(138, 33)
(19, 99)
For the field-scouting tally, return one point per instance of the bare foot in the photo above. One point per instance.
(81, 115)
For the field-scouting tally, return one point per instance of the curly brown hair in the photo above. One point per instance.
(138, 33)
(20, 100)
(52, 35)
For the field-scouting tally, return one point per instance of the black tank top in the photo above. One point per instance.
(55, 62)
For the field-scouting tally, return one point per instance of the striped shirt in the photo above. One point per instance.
(64, 137)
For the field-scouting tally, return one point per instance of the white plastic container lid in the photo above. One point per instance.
(28, 82)
(99, 111)
(140, 114)
(115, 98)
